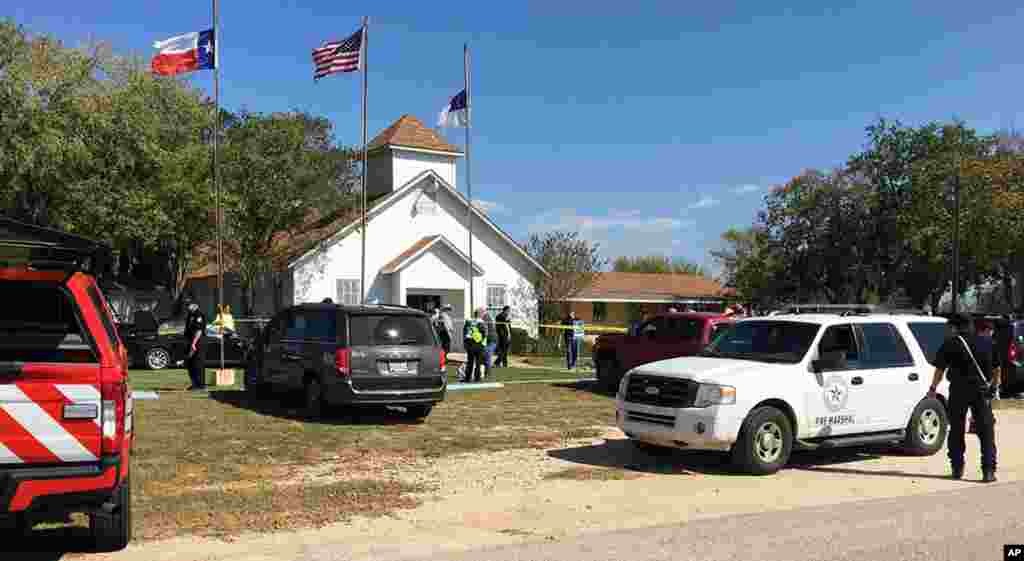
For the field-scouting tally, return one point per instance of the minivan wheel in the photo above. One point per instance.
(926, 431)
(158, 358)
(314, 397)
(764, 442)
(112, 531)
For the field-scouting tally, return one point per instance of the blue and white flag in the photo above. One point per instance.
(456, 113)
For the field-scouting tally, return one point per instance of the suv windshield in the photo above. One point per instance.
(391, 329)
(764, 341)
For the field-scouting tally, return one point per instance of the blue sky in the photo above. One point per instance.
(652, 129)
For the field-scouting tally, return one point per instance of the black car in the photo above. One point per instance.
(163, 345)
(350, 355)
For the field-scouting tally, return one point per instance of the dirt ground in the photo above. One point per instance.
(560, 490)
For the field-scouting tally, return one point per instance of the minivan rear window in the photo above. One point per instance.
(373, 330)
(930, 336)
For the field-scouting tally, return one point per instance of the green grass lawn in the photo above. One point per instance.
(583, 362)
(172, 380)
(225, 462)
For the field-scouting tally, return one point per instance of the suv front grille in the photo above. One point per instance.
(664, 420)
(669, 392)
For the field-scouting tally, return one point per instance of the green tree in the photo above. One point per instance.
(279, 170)
(814, 228)
(572, 264)
(656, 264)
(747, 264)
(45, 132)
(94, 143)
(904, 168)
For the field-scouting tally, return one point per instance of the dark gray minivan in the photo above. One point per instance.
(350, 355)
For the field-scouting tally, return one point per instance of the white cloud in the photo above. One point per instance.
(488, 207)
(704, 202)
(619, 231)
(746, 189)
(615, 219)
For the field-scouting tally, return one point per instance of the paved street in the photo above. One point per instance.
(960, 525)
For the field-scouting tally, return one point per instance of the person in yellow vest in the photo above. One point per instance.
(474, 333)
(224, 318)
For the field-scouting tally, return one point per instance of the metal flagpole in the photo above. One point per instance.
(469, 182)
(216, 181)
(362, 271)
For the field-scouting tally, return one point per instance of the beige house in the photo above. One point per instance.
(618, 298)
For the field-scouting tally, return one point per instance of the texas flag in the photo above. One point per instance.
(185, 53)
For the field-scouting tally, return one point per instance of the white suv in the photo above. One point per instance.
(769, 385)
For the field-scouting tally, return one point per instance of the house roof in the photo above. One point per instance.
(614, 286)
(422, 246)
(410, 132)
(383, 203)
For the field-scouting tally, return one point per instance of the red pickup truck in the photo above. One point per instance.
(661, 337)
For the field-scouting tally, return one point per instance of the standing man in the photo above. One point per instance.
(504, 328)
(195, 338)
(437, 322)
(569, 338)
(974, 375)
(448, 331)
(473, 336)
(490, 340)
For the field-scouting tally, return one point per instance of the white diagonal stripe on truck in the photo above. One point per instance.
(8, 457)
(84, 394)
(41, 426)
(79, 393)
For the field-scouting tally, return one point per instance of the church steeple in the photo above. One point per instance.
(404, 150)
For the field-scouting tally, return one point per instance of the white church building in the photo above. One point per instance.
(417, 238)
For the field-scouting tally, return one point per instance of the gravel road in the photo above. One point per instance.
(970, 524)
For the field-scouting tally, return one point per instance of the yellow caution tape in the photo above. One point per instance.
(587, 328)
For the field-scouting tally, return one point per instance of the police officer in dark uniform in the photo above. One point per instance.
(974, 375)
(195, 339)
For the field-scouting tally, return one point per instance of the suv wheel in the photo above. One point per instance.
(418, 411)
(764, 442)
(314, 397)
(158, 358)
(926, 431)
(113, 531)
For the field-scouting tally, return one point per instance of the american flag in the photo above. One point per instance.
(338, 56)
